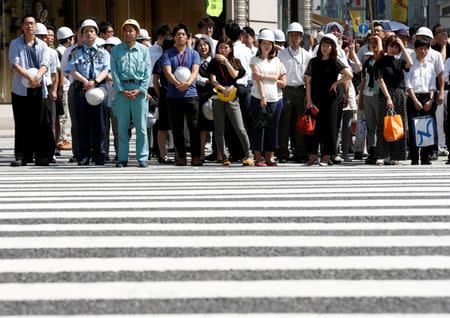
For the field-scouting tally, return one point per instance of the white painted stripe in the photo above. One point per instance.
(225, 227)
(270, 212)
(207, 204)
(219, 241)
(220, 197)
(224, 289)
(256, 315)
(236, 193)
(53, 265)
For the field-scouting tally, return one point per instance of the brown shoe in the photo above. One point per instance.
(64, 145)
(196, 162)
(181, 162)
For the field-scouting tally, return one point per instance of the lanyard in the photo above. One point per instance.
(224, 74)
(289, 50)
(182, 60)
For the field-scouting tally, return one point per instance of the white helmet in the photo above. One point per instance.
(182, 74)
(100, 41)
(64, 33)
(151, 120)
(295, 27)
(267, 35)
(207, 109)
(425, 31)
(41, 29)
(279, 36)
(143, 35)
(330, 36)
(132, 22)
(32, 72)
(112, 40)
(90, 23)
(95, 96)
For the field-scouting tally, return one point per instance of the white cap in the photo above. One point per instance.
(88, 22)
(64, 33)
(207, 109)
(267, 35)
(112, 40)
(41, 29)
(95, 96)
(143, 35)
(331, 37)
(425, 31)
(279, 36)
(295, 27)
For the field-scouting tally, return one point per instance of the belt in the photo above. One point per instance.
(131, 81)
(298, 86)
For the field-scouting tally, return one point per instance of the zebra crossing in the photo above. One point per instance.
(290, 241)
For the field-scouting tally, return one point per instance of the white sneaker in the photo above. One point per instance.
(442, 152)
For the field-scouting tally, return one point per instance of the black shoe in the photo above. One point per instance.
(18, 163)
(53, 160)
(165, 161)
(211, 157)
(72, 159)
(57, 152)
(358, 155)
(121, 164)
(116, 158)
(447, 162)
(99, 163)
(106, 158)
(434, 156)
(426, 162)
(41, 162)
(282, 160)
(84, 162)
(414, 162)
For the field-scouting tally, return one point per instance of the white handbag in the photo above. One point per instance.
(424, 131)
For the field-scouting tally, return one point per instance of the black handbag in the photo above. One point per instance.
(265, 120)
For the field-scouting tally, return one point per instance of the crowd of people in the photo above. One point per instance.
(241, 93)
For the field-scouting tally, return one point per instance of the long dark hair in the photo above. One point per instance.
(272, 52)
(230, 56)
(197, 43)
(333, 54)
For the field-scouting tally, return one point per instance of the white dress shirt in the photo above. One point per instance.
(421, 77)
(244, 54)
(296, 62)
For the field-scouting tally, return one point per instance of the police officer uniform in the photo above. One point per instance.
(89, 62)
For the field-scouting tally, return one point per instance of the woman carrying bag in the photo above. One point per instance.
(392, 99)
(266, 69)
(321, 79)
(223, 71)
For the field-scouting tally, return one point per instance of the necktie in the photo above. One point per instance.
(91, 64)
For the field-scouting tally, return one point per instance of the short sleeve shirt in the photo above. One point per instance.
(187, 59)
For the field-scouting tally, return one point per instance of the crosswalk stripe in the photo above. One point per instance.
(223, 263)
(227, 227)
(224, 289)
(221, 241)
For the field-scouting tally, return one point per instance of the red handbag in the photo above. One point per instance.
(306, 124)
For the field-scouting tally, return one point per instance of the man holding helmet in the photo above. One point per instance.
(130, 70)
(89, 66)
(31, 134)
(295, 59)
(181, 65)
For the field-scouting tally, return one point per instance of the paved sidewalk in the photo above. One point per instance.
(6, 120)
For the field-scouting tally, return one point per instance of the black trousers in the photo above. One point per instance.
(33, 130)
(411, 111)
(179, 109)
